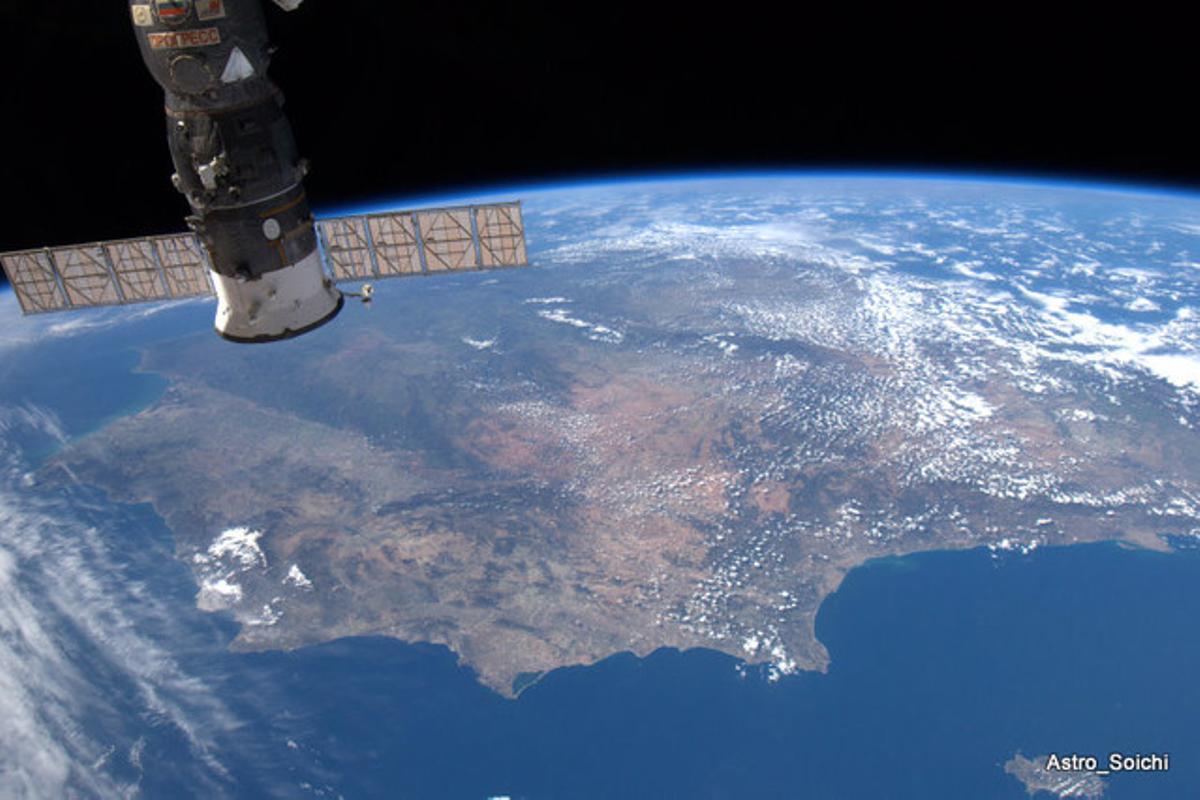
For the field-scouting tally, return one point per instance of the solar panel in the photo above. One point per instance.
(501, 235)
(397, 251)
(108, 273)
(402, 243)
(184, 265)
(346, 248)
(449, 242)
(367, 247)
(138, 275)
(86, 275)
(34, 280)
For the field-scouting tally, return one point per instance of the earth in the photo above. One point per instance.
(706, 402)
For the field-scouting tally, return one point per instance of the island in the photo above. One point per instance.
(1034, 775)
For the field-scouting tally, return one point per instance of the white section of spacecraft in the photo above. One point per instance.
(288, 299)
(354, 248)
(237, 68)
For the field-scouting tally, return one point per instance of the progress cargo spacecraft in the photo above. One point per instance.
(254, 242)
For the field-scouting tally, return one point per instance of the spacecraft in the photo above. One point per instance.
(253, 241)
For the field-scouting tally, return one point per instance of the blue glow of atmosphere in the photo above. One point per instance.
(897, 174)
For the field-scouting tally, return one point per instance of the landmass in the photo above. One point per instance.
(622, 471)
(1034, 775)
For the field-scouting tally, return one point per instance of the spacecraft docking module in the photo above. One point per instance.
(255, 243)
(237, 165)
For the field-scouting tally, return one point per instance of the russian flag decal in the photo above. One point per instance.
(172, 10)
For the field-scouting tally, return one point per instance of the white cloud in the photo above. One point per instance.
(1143, 304)
(1163, 350)
(673, 238)
(971, 269)
(8, 566)
(479, 344)
(217, 594)
(297, 578)
(1177, 369)
(65, 593)
(17, 330)
(32, 417)
(596, 331)
(240, 545)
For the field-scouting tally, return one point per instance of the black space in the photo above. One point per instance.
(390, 99)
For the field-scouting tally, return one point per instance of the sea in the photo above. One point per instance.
(944, 665)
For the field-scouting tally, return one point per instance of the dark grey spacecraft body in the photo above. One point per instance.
(237, 165)
(253, 241)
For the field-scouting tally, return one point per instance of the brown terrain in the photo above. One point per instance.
(571, 498)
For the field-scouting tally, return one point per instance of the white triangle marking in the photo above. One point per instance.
(238, 68)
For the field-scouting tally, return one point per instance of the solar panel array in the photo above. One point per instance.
(397, 244)
(175, 266)
(108, 273)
